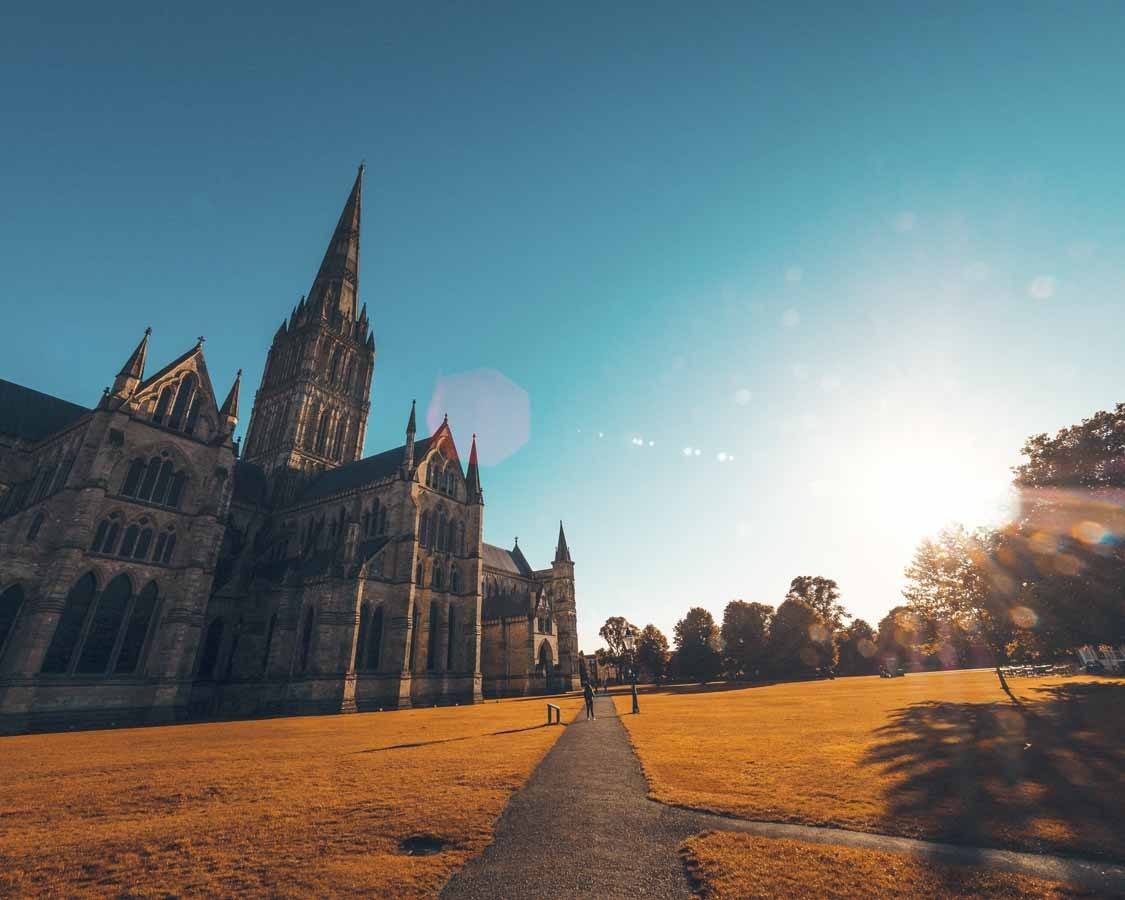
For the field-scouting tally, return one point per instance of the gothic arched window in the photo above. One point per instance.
(152, 472)
(418, 575)
(33, 531)
(184, 396)
(431, 642)
(129, 656)
(165, 544)
(69, 627)
(45, 480)
(109, 615)
(450, 642)
(375, 639)
(163, 481)
(212, 643)
(10, 602)
(361, 638)
(162, 405)
(455, 580)
(322, 432)
(438, 578)
(133, 479)
(129, 542)
(341, 431)
(105, 538)
(310, 428)
(193, 413)
(144, 542)
(269, 643)
(306, 639)
(383, 520)
(176, 490)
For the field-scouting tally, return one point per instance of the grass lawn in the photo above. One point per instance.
(315, 806)
(729, 866)
(941, 755)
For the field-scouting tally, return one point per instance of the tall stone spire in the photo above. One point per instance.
(472, 476)
(310, 412)
(336, 286)
(562, 551)
(133, 372)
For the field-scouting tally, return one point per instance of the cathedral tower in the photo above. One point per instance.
(310, 412)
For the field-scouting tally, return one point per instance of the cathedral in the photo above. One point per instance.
(154, 570)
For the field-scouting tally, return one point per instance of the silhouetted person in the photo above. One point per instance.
(588, 693)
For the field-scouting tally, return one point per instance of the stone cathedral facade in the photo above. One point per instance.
(152, 570)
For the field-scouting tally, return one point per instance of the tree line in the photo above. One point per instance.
(1051, 579)
(806, 635)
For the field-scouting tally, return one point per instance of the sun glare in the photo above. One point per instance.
(915, 484)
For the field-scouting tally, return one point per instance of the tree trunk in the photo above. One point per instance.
(1004, 685)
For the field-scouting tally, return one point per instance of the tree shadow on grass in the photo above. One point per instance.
(1048, 775)
(712, 687)
(453, 740)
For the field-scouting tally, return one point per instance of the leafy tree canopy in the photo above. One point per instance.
(745, 633)
(823, 595)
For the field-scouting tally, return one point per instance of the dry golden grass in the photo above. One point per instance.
(730, 866)
(941, 755)
(313, 806)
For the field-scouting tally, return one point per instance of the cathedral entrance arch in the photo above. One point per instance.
(545, 665)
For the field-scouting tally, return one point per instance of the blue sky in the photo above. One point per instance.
(865, 252)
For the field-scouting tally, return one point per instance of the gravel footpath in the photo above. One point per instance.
(583, 826)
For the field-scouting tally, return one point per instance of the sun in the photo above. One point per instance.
(914, 484)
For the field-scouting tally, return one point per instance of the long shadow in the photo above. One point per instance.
(1049, 775)
(712, 687)
(450, 740)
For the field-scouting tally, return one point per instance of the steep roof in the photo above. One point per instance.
(511, 561)
(357, 474)
(504, 606)
(33, 415)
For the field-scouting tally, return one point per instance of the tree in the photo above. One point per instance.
(800, 640)
(823, 595)
(652, 651)
(1068, 529)
(697, 645)
(745, 634)
(856, 649)
(957, 578)
(613, 633)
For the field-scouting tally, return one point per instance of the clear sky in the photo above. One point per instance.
(852, 254)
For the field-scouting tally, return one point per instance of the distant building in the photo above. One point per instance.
(148, 573)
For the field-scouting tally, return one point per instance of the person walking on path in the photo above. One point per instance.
(588, 693)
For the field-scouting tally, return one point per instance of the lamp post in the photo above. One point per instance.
(630, 645)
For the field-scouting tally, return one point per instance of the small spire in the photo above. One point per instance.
(408, 450)
(562, 551)
(445, 421)
(229, 409)
(472, 476)
(133, 372)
